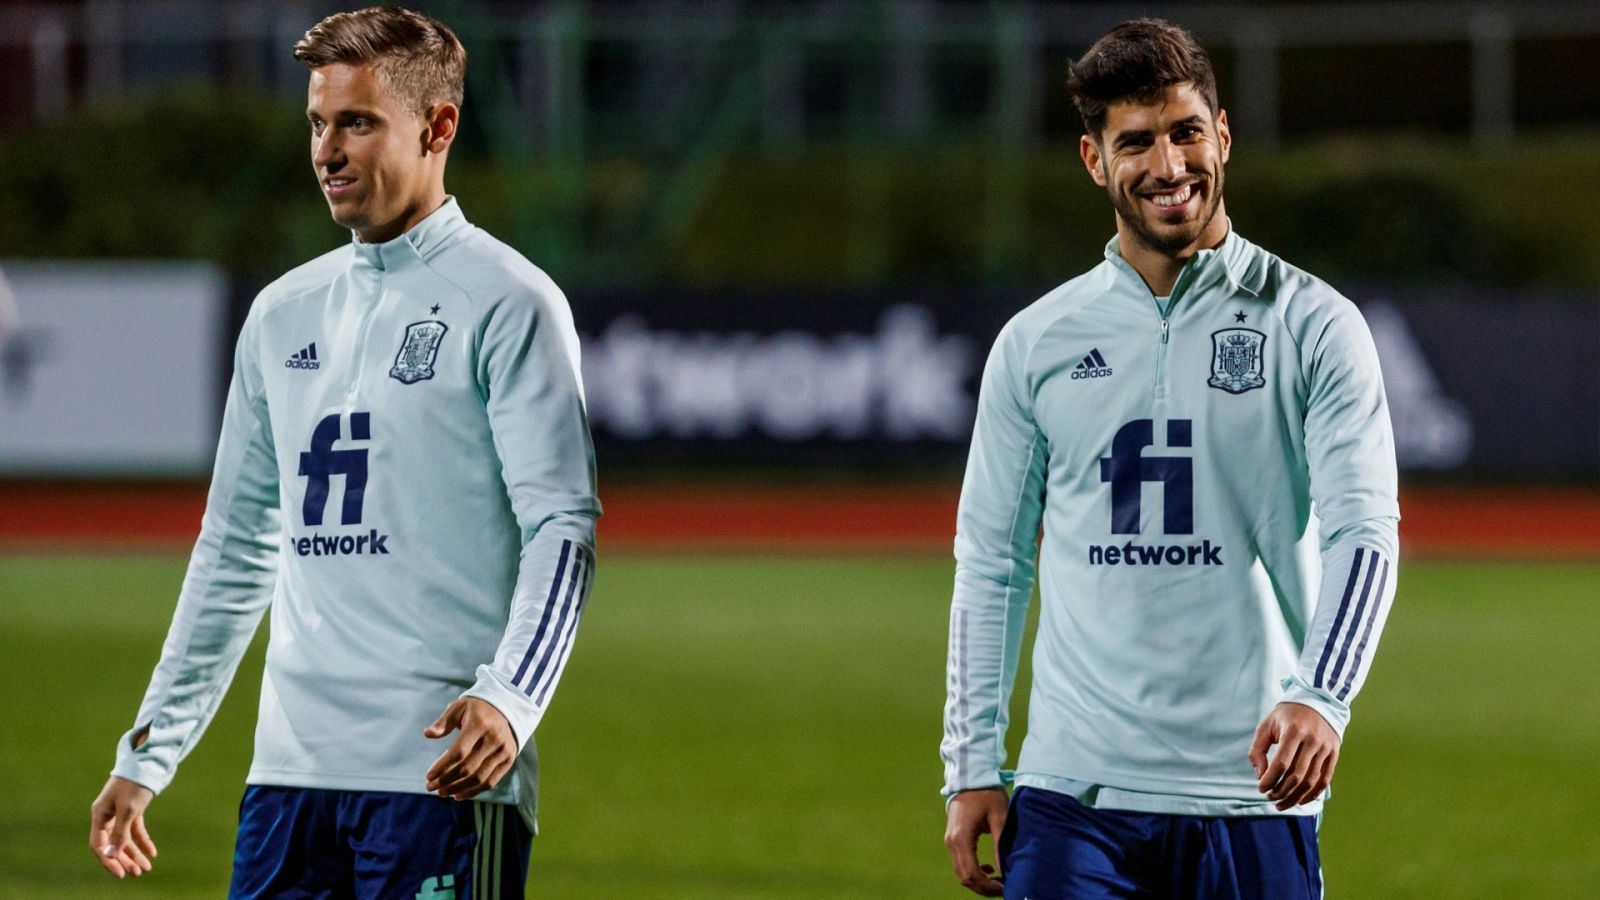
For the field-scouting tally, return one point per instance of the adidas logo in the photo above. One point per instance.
(1093, 366)
(305, 359)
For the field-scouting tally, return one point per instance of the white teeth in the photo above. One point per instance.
(1173, 199)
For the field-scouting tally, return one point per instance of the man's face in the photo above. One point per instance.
(369, 150)
(1161, 163)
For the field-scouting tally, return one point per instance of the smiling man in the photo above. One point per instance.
(1199, 429)
(405, 478)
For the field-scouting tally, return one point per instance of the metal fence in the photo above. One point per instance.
(674, 93)
(571, 77)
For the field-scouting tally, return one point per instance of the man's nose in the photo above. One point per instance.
(325, 149)
(1168, 163)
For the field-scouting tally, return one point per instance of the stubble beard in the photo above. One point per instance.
(1167, 240)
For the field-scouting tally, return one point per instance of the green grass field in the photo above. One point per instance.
(767, 727)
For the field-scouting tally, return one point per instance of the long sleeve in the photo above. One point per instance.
(1350, 449)
(228, 586)
(997, 528)
(528, 371)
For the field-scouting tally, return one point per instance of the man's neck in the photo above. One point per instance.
(1159, 268)
(407, 221)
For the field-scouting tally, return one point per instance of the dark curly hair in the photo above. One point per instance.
(1137, 60)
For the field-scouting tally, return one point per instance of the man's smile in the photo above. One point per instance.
(1172, 200)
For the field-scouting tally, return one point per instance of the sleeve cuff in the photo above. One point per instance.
(140, 766)
(997, 780)
(512, 703)
(1336, 714)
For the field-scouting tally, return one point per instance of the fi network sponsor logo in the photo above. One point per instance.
(1093, 366)
(1204, 553)
(370, 544)
(320, 466)
(1128, 469)
(305, 359)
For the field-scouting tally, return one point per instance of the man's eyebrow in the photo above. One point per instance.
(1128, 137)
(346, 114)
(1134, 134)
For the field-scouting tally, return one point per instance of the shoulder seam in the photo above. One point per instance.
(1027, 355)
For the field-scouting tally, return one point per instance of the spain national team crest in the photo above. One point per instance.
(1236, 359)
(418, 350)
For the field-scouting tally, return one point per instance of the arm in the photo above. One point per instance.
(1350, 448)
(528, 371)
(227, 587)
(1002, 501)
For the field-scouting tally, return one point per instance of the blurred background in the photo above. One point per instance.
(789, 232)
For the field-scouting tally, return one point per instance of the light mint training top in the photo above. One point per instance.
(405, 476)
(1214, 475)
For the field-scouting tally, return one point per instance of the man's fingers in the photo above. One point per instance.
(459, 784)
(141, 837)
(962, 845)
(501, 770)
(1266, 733)
(980, 883)
(997, 827)
(961, 840)
(1321, 776)
(132, 855)
(1274, 769)
(113, 866)
(450, 765)
(1297, 771)
(99, 830)
(450, 760)
(485, 780)
(100, 841)
(443, 767)
(119, 838)
(1280, 763)
(471, 774)
(1294, 782)
(448, 721)
(100, 844)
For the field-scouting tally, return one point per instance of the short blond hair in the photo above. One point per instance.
(416, 56)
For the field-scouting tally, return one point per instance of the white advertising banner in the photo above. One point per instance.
(110, 368)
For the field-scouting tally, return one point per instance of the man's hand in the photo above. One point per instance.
(1308, 749)
(117, 835)
(480, 756)
(972, 813)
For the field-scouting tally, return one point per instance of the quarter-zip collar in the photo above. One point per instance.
(422, 241)
(1235, 260)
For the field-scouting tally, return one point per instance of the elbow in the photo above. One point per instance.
(1382, 532)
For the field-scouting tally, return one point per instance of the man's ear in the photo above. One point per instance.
(1224, 136)
(442, 121)
(1089, 149)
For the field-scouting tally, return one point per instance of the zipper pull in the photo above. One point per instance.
(1164, 326)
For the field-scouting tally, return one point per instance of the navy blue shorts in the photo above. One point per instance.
(308, 843)
(1055, 847)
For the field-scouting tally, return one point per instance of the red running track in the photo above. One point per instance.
(1544, 523)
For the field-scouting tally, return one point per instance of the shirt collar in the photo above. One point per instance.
(1235, 259)
(436, 231)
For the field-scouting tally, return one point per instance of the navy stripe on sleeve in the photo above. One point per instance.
(561, 624)
(1372, 619)
(1338, 620)
(567, 638)
(1355, 622)
(549, 607)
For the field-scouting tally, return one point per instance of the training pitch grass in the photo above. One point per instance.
(767, 727)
